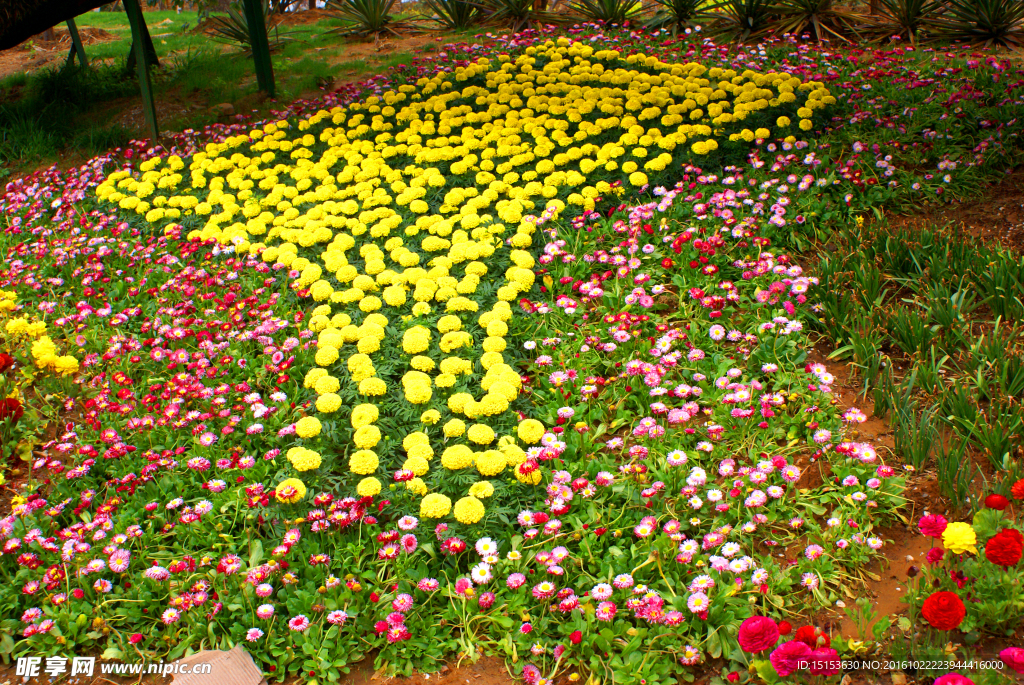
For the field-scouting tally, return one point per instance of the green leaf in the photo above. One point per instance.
(112, 654)
(766, 671)
(180, 648)
(255, 553)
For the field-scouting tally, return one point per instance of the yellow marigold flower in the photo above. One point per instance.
(328, 403)
(416, 486)
(290, 490)
(416, 340)
(324, 383)
(481, 434)
(449, 323)
(372, 387)
(457, 457)
(454, 428)
(457, 402)
(469, 510)
(368, 345)
(430, 417)
(363, 462)
(325, 356)
(363, 415)
(424, 452)
(303, 459)
(806, 125)
(782, 122)
(308, 427)
(530, 431)
(368, 487)
(959, 537)
(312, 376)
(435, 506)
(66, 365)
(491, 462)
(421, 363)
(417, 465)
(413, 439)
(494, 344)
(366, 437)
(481, 489)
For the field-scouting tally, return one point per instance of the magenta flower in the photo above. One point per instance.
(953, 679)
(757, 634)
(932, 525)
(1013, 657)
(787, 657)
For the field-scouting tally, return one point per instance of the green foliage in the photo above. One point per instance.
(742, 20)
(367, 18)
(906, 18)
(676, 14)
(820, 18)
(607, 12)
(233, 29)
(518, 15)
(454, 15)
(987, 22)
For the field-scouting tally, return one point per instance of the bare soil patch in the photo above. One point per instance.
(997, 216)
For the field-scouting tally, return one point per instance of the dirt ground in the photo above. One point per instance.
(39, 53)
(998, 216)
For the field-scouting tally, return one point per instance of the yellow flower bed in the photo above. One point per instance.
(392, 213)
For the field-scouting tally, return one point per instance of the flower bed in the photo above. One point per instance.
(484, 360)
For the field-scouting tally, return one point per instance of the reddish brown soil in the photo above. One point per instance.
(38, 53)
(998, 216)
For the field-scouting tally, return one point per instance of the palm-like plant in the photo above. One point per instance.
(817, 17)
(454, 15)
(990, 22)
(675, 14)
(906, 18)
(369, 18)
(518, 15)
(234, 29)
(607, 12)
(740, 20)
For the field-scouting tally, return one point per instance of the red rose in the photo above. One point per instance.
(943, 610)
(11, 408)
(1018, 489)
(785, 627)
(576, 637)
(997, 502)
(1004, 548)
(6, 361)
